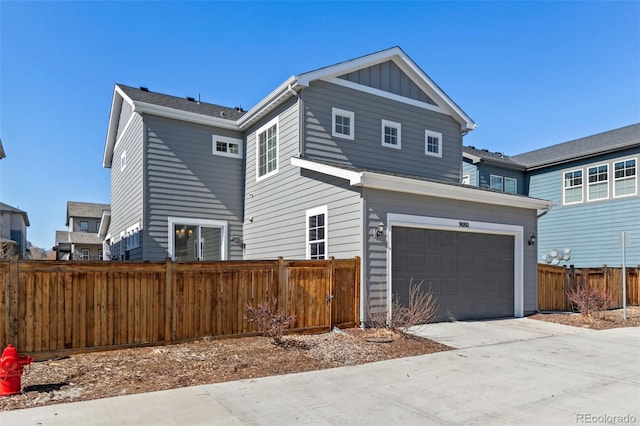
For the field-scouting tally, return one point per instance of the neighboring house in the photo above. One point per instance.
(81, 240)
(13, 231)
(361, 158)
(594, 183)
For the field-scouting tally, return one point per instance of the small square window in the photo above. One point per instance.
(391, 134)
(342, 123)
(84, 225)
(433, 143)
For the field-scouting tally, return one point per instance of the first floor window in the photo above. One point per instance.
(573, 187)
(100, 255)
(267, 149)
(197, 239)
(342, 123)
(624, 182)
(433, 143)
(510, 185)
(495, 182)
(85, 254)
(598, 182)
(317, 233)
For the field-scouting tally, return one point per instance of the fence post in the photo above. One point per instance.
(168, 300)
(11, 328)
(356, 292)
(282, 284)
(332, 283)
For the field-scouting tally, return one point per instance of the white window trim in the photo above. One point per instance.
(313, 212)
(132, 237)
(343, 113)
(123, 160)
(392, 124)
(263, 129)
(228, 140)
(613, 174)
(222, 224)
(88, 254)
(564, 188)
(427, 222)
(589, 184)
(501, 182)
(433, 134)
(504, 184)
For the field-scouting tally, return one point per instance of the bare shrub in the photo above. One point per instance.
(590, 302)
(422, 309)
(271, 321)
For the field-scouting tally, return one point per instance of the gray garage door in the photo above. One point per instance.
(471, 274)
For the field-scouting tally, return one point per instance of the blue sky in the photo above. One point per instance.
(530, 74)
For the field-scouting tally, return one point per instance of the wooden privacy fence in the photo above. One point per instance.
(51, 307)
(555, 281)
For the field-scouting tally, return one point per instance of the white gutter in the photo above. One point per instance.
(162, 111)
(268, 102)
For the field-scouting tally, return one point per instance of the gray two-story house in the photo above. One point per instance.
(80, 241)
(362, 158)
(594, 183)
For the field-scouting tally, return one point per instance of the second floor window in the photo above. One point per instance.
(267, 149)
(598, 182)
(573, 187)
(433, 143)
(624, 182)
(495, 182)
(342, 123)
(227, 147)
(84, 225)
(510, 185)
(391, 134)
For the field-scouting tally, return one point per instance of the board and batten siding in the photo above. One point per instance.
(591, 229)
(366, 149)
(378, 203)
(183, 178)
(275, 207)
(127, 185)
(389, 77)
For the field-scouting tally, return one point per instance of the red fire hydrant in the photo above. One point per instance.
(11, 367)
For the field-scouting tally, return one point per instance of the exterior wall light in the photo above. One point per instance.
(532, 240)
(235, 238)
(379, 230)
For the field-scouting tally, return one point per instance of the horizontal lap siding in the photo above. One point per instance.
(278, 203)
(366, 150)
(127, 184)
(590, 229)
(185, 179)
(379, 203)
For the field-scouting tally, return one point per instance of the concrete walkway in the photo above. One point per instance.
(517, 371)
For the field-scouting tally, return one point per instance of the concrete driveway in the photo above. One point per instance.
(516, 371)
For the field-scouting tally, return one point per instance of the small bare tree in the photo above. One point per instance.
(422, 309)
(271, 321)
(589, 301)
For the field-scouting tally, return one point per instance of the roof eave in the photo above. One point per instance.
(268, 103)
(584, 156)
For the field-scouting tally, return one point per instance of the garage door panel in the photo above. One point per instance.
(471, 274)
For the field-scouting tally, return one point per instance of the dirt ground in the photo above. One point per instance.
(608, 319)
(129, 371)
(146, 369)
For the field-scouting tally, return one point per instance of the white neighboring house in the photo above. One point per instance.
(13, 231)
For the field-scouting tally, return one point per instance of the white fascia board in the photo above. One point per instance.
(105, 221)
(354, 178)
(268, 102)
(112, 130)
(430, 87)
(383, 94)
(474, 158)
(192, 117)
(453, 192)
(348, 66)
